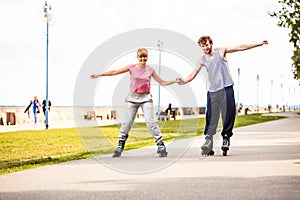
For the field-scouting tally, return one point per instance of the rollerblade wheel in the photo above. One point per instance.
(117, 153)
(209, 153)
(162, 154)
(225, 153)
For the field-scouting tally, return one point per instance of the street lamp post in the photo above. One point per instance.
(159, 45)
(238, 97)
(282, 99)
(281, 85)
(47, 17)
(294, 99)
(271, 101)
(257, 93)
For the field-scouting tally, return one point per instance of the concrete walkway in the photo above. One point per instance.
(263, 163)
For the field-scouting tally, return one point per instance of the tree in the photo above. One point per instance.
(289, 17)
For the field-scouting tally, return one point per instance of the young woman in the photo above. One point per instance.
(139, 96)
(35, 106)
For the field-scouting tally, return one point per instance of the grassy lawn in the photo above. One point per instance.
(22, 150)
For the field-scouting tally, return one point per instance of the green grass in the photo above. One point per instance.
(22, 150)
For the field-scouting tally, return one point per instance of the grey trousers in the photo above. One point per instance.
(134, 102)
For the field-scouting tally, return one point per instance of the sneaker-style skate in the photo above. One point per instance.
(161, 150)
(210, 153)
(225, 146)
(207, 147)
(118, 151)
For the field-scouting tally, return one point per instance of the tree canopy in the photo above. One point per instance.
(289, 17)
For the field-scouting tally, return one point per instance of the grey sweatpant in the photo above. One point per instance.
(134, 101)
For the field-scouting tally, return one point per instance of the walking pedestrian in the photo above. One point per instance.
(36, 109)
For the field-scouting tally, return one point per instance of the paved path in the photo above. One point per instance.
(263, 163)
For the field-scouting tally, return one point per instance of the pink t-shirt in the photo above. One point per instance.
(140, 79)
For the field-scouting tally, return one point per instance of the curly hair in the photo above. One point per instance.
(204, 39)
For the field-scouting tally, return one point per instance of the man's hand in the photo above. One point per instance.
(265, 42)
(180, 81)
(93, 76)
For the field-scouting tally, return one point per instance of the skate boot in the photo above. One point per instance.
(161, 150)
(207, 147)
(226, 144)
(118, 151)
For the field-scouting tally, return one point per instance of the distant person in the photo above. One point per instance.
(168, 109)
(36, 109)
(240, 107)
(27, 110)
(44, 106)
(169, 112)
(269, 107)
(139, 96)
(220, 96)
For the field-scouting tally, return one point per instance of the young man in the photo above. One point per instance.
(220, 95)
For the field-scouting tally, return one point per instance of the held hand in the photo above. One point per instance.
(180, 81)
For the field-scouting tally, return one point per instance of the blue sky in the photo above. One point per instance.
(81, 26)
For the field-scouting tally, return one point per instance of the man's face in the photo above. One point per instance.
(206, 47)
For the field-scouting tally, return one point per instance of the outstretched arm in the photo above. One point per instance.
(112, 72)
(191, 76)
(243, 47)
(161, 81)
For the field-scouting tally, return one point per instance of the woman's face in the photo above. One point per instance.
(142, 59)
